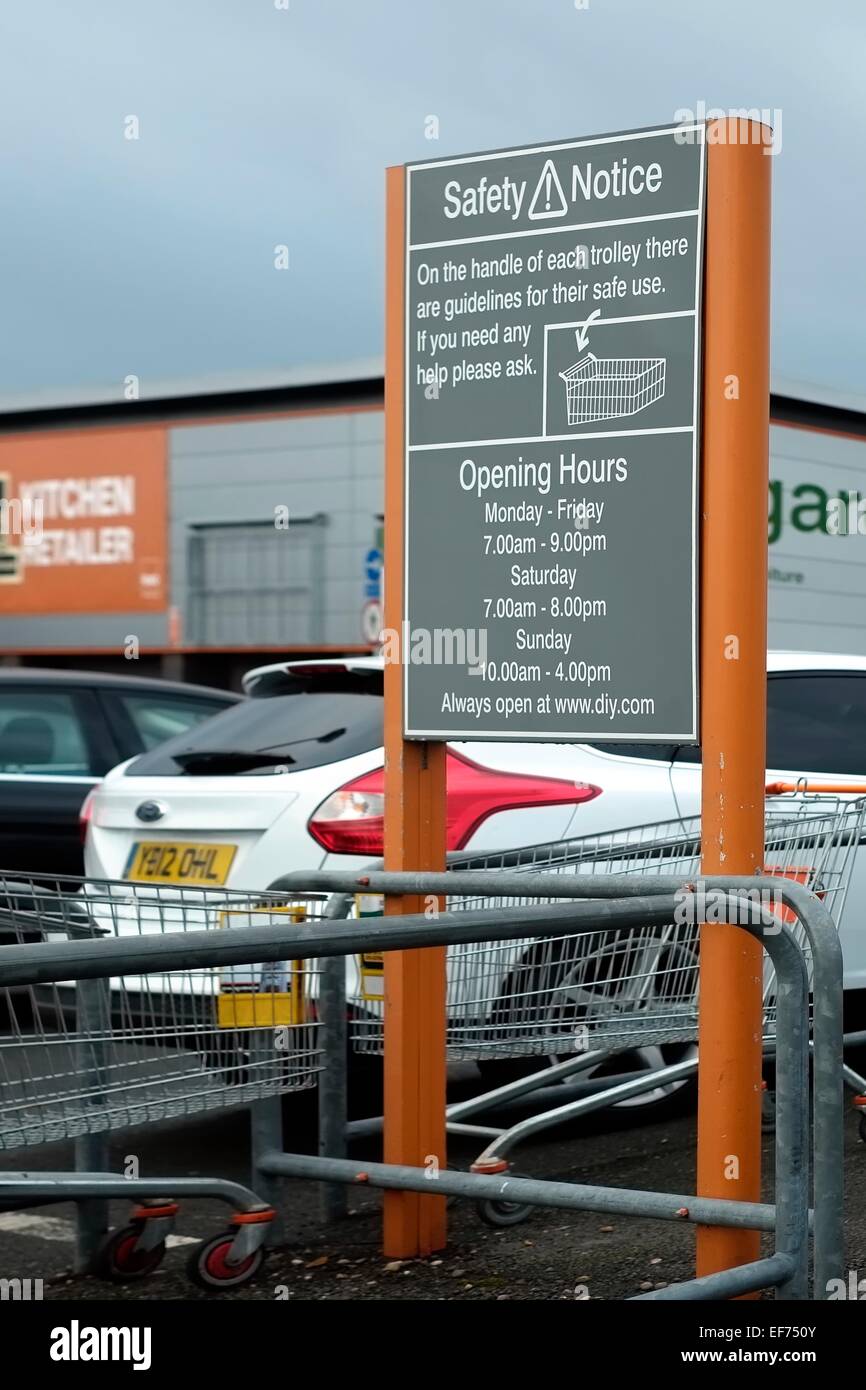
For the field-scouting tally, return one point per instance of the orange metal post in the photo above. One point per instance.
(414, 839)
(733, 665)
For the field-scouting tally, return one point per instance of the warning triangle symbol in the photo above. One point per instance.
(548, 200)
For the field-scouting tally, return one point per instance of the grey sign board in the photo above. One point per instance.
(552, 396)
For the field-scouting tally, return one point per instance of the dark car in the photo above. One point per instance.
(60, 732)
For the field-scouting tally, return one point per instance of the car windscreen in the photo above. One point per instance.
(292, 725)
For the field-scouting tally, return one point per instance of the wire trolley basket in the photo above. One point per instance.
(87, 1056)
(615, 989)
(602, 388)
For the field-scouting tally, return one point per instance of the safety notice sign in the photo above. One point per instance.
(551, 440)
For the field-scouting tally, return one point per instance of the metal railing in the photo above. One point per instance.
(594, 898)
(612, 903)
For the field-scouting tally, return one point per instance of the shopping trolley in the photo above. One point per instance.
(554, 1008)
(87, 1057)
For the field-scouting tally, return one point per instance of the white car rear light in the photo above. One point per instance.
(352, 820)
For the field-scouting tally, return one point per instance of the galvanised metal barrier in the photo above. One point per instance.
(616, 905)
(810, 912)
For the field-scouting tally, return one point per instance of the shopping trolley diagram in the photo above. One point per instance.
(606, 388)
(92, 1056)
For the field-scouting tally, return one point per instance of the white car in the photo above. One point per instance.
(291, 778)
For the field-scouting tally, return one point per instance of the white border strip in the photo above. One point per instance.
(542, 438)
(510, 736)
(550, 231)
(625, 318)
(696, 127)
(696, 408)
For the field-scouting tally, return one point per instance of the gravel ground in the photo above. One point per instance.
(551, 1256)
(554, 1255)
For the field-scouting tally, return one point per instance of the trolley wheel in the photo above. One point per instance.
(494, 1212)
(118, 1260)
(861, 1126)
(500, 1214)
(208, 1265)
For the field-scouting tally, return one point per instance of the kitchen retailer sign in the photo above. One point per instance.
(83, 522)
(552, 389)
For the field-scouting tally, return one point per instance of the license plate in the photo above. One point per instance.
(156, 861)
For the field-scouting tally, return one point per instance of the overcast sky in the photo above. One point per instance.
(261, 126)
